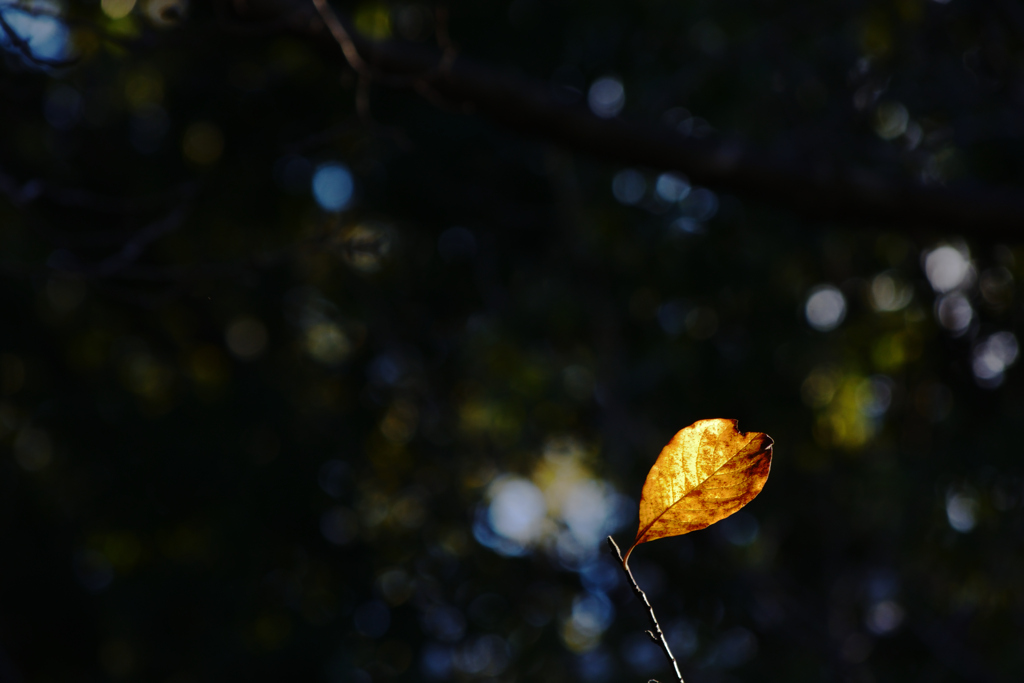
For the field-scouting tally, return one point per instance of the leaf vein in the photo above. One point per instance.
(703, 435)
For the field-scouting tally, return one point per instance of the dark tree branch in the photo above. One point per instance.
(656, 634)
(23, 194)
(123, 266)
(842, 194)
(846, 195)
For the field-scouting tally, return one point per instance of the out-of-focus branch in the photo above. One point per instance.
(32, 190)
(655, 634)
(842, 193)
(134, 247)
(121, 273)
(341, 36)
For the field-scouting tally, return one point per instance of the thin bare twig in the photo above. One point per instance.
(365, 74)
(348, 48)
(444, 40)
(342, 37)
(656, 634)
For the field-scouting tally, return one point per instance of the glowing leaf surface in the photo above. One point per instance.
(708, 471)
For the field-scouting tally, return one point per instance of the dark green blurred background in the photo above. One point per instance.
(296, 392)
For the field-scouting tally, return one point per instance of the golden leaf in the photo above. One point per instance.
(708, 471)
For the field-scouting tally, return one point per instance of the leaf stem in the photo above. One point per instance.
(656, 634)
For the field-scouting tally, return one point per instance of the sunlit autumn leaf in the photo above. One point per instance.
(708, 471)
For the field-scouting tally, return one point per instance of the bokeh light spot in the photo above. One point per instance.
(564, 509)
(947, 268)
(629, 186)
(246, 337)
(365, 246)
(373, 20)
(700, 204)
(327, 343)
(165, 13)
(825, 308)
(884, 617)
(46, 35)
(203, 143)
(820, 386)
(591, 614)
(996, 286)
(486, 656)
(672, 187)
(117, 9)
(962, 512)
(889, 293)
(606, 97)
(874, 395)
(436, 662)
(333, 186)
(954, 312)
(891, 119)
(517, 510)
(993, 356)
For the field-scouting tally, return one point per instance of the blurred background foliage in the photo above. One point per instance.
(292, 391)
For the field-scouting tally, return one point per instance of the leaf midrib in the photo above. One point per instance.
(654, 521)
